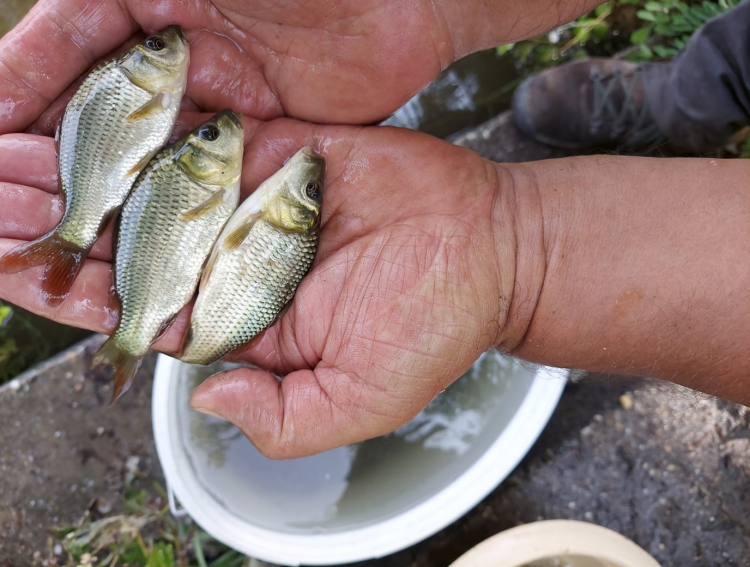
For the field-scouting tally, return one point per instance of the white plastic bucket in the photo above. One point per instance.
(360, 502)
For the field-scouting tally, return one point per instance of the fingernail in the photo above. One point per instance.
(209, 412)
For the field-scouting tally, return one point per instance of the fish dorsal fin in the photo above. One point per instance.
(156, 104)
(210, 204)
(238, 235)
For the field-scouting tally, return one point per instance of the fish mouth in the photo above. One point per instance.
(233, 116)
(311, 155)
(177, 30)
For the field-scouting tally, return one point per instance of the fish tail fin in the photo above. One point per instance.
(126, 366)
(63, 261)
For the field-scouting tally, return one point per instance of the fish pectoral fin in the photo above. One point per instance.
(238, 235)
(156, 104)
(210, 204)
(207, 269)
(140, 166)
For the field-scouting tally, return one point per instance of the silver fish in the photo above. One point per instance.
(168, 224)
(259, 260)
(121, 115)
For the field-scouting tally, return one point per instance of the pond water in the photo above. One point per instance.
(468, 93)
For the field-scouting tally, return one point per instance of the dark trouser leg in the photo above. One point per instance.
(701, 98)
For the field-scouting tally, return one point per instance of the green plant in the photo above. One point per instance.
(144, 535)
(636, 29)
(668, 25)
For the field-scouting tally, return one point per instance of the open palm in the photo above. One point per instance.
(406, 292)
(324, 61)
(408, 287)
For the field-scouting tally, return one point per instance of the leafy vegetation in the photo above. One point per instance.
(144, 535)
(637, 30)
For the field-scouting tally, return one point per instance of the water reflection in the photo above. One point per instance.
(467, 93)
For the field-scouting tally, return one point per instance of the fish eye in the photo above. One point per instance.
(155, 43)
(209, 132)
(312, 190)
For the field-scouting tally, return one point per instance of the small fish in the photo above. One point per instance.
(259, 260)
(167, 226)
(121, 115)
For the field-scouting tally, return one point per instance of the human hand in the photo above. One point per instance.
(327, 61)
(411, 284)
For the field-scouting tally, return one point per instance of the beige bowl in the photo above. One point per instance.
(572, 543)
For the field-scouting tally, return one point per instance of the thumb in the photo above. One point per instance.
(290, 418)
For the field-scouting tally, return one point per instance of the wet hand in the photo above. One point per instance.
(411, 282)
(325, 61)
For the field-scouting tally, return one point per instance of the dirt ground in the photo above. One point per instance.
(671, 472)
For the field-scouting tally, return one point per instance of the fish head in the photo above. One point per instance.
(212, 153)
(160, 62)
(298, 200)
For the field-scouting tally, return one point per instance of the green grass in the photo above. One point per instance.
(144, 534)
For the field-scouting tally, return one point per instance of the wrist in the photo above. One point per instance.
(519, 231)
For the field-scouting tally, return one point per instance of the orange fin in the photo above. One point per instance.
(154, 105)
(140, 166)
(210, 204)
(126, 366)
(186, 340)
(63, 261)
(207, 270)
(235, 238)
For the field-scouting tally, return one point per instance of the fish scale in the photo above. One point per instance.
(119, 117)
(259, 280)
(168, 224)
(151, 275)
(108, 97)
(259, 260)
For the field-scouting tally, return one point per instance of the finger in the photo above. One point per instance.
(54, 44)
(295, 417)
(29, 160)
(29, 213)
(223, 76)
(48, 122)
(88, 306)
